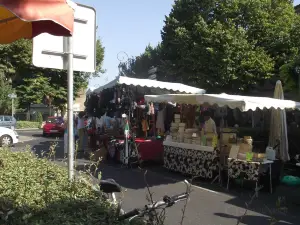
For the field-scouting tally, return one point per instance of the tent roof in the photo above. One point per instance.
(244, 103)
(177, 87)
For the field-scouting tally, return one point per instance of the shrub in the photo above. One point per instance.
(28, 124)
(35, 191)
(39, 118)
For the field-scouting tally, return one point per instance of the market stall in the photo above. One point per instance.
(125, 96)
(241, 159)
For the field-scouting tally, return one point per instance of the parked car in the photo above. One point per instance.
(8, 137)
(54, 126)
(8, 122)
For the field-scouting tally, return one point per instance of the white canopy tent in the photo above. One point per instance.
(244, 103)
(153, 84)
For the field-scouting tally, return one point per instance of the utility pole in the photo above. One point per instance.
(12, 97)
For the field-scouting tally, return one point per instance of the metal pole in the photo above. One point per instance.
(12, 107)
(70, 145)
(299, 82)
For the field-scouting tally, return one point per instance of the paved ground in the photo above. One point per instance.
(209, 204)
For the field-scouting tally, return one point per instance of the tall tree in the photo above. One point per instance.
(290, 72)
(228, 45)
(5, 101)
(99, 57)
(138, 66)
(15, 57)
(37, 83)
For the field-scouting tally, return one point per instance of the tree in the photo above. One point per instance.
(227, 45)
(99, 57)
(35, 84)
(138, 66)
(15, 57)
(5, 101)
(290, 72)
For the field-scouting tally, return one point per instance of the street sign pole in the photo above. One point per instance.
(76, 53)
(12, 107)
(70, 145)
(12, 96)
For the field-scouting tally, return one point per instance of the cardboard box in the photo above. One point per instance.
(244, 148)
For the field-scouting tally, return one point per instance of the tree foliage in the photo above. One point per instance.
(99, 57)
(228, 44)
(5, 101)
(37, 84)
(290, 72)
(138, 66)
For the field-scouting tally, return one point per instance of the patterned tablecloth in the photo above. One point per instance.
(250, 170)
(191, 161)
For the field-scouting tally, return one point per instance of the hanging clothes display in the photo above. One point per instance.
(145, 127)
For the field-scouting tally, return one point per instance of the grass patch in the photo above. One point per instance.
(28, 124)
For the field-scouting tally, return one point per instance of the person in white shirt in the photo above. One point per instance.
(81, 131)
(209, 125)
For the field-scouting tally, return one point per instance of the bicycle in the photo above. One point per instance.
(110, 187)
(150, 210)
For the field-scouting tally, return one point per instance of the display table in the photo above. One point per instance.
(250, 170)
(190, 159)
(150, 150)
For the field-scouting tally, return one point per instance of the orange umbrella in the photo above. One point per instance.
(29, 18)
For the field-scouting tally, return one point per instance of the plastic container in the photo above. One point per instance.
(270, 153)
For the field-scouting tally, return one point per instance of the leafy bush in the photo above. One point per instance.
(28, 124)
(39, 118)
(35, 191)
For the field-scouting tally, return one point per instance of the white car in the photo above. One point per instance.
(8, 137)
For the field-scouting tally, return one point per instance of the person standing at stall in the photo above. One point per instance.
(209, 124)
(81, 131)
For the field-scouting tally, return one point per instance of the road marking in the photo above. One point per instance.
(23, 139)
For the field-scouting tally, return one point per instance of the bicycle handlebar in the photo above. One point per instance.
(167, 201)
(128, 215)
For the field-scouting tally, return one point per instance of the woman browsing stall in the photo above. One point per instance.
(209, 124)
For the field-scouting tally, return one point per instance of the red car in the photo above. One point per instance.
(54, 126)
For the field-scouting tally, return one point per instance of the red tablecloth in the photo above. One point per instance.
(150, 150)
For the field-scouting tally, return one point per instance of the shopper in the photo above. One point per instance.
(209, 124)
(81, 131)
(66, 137)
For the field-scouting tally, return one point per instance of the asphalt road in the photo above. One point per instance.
(208, 205)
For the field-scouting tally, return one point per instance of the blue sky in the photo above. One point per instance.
(128, 26)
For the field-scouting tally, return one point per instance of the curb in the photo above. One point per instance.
(24, 129)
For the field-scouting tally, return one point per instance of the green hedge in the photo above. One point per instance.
(37, 192)
(28, 124)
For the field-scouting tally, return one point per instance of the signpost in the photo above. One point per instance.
(70, 53)
(12, 96)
